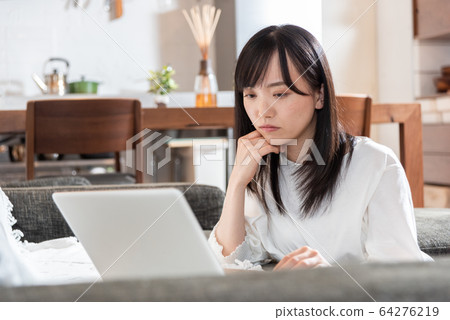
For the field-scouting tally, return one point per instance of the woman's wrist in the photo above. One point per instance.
(236, 185)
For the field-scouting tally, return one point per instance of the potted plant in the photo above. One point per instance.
(161, 84)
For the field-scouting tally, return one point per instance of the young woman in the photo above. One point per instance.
(303, 192)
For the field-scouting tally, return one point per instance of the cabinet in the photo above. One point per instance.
(432, 19)
(436, 154)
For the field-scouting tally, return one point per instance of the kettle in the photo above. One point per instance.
(56, 81)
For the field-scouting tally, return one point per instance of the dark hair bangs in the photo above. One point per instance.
(287, 79)
(306, 62)
(252, 69)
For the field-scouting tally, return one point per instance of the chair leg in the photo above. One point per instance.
(139, 176)
(117, 161)
(29, 166)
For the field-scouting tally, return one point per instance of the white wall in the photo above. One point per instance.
(350, 42)
(225, 40)
(253, 15)
(177, 44)
(395, 61)
(152, 33)
(375, 56)
(351, 52)
(33, 31)
(395, 50)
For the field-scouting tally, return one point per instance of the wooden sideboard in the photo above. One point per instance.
(436, 154)
(431, 19)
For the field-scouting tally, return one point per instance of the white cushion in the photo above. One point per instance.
(14, 267)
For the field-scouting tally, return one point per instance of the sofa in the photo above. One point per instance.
(40, 220)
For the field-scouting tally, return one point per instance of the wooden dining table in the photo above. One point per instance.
(408, 116)
(13, 121)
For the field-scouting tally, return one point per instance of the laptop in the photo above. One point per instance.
(135, 234)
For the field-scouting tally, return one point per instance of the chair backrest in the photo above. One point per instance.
(357, 113)
(71, 126)
(354, 113)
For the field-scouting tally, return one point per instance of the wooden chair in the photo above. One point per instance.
(85, 126)
(357, 114)
(354, 113)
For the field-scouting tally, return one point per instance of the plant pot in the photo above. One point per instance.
(161, 100)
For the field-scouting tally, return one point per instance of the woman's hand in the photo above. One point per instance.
(305, 258)
(251, 148)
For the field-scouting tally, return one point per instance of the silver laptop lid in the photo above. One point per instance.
(135, 234)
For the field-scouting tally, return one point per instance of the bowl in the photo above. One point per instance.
(445, 71)
(442, 83)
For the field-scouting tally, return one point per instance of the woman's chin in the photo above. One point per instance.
(281, 141)
(276, 139)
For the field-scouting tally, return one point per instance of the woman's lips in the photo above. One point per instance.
(269, 128)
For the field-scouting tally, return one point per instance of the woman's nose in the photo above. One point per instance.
(266, 110)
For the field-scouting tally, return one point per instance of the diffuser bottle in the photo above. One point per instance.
(205, 86)
(203, 23)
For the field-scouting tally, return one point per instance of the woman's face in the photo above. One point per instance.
(279, 114)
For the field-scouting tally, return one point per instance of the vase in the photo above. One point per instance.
(161, 100)
(205, 86)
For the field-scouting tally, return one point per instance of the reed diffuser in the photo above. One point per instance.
(203, 23)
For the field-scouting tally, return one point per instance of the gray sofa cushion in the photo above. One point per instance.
(49, 182)
(405, 282)
(110, 178)
(433, 230)
(39, 218)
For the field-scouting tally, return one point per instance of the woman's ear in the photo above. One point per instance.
(319, 98)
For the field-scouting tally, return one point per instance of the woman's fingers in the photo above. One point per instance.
(304, 257)
(268, 149)
(250, 150)
(308, 263)
(252, 135)
(258, 147)
(289, 258)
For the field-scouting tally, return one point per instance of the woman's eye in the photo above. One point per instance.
(249, 95)
(280, 95)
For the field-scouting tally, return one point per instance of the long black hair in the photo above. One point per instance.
(315, 182)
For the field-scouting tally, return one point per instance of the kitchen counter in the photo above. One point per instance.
(184, 99)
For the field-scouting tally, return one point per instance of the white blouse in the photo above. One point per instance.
(371, 217)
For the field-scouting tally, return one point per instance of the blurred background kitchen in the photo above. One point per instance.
(380, 48)
(153, 33)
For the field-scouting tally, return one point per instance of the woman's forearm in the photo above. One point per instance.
(230, 231)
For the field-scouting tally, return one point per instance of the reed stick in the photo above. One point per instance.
(203, 24)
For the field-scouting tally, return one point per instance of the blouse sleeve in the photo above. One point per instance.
(251, 248)
(391, 234)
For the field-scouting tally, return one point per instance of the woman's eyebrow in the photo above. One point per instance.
(270, 85)
(276, 84)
